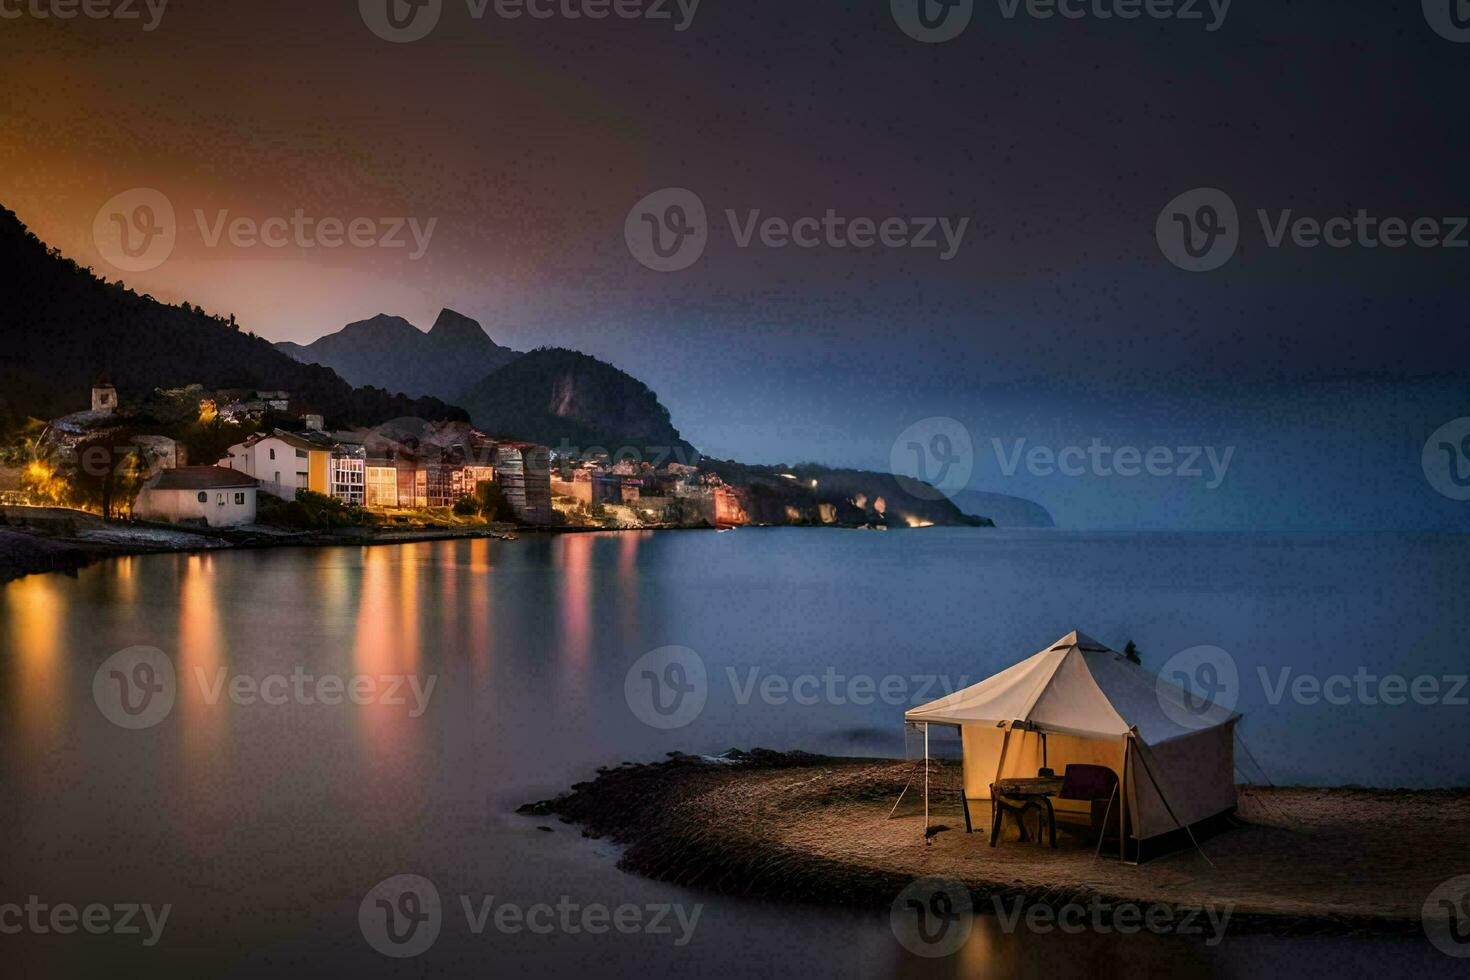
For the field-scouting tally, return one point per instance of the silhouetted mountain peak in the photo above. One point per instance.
(64, 326)
(382, 328)
(554, 395)
(456, 327)
(390, 352)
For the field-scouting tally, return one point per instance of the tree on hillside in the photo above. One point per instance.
(108, 472)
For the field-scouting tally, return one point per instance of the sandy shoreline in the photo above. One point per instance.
(803, 828)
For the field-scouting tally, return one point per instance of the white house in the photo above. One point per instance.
(283, 463)
(217, 495)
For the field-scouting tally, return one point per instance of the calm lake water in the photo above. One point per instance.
(265, 825)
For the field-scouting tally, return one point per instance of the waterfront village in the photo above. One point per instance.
(238, 457)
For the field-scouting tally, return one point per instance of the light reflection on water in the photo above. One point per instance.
(265, 824)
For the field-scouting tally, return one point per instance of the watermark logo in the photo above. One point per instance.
(401, 21)
(936, 454)
(932, 917)
(1446, 916)
(1449, 18)
(933, 21)
(1198, 687)
(667, 688)
(1199, 230)
(136, 687)
(668, 230)
(401, 916)
(136, 231)
(1446, 459)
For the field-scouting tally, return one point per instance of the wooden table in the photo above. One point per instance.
(1032, 786)
(1034, 793)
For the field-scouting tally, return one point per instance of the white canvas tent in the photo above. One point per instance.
(1078, 701)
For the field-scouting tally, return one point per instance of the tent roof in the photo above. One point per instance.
(1076, 686)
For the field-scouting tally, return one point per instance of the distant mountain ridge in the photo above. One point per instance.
(1006, 510)
(62, 326)
(563, 398)
(390, 352)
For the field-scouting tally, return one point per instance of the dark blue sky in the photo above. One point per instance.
(1058, 321)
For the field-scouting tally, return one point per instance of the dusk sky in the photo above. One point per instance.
(1058, 320)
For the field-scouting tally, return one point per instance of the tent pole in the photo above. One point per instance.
(965, 781)
(926, 780)
(911, 777)
(1103, 832)
(1123, 803)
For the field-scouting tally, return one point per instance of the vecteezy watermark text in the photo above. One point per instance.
(306, 232)
(393, 690)
(404, 21)
(1199, 687)
(137, 688)
(669, 230)
(1102, 460)
(1104, 917)
(1200, 230)
(937, 21)
(933, 917)
(63, 918)
(669, 687)
(138, 230)
(148, 12)
(1364, 687)
(656, 457)
(402, 917)
(835, 688)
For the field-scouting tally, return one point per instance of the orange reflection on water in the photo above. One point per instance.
(575, 558)
(408, 599)
(479, 597)
(203, 695)
(628, 584)
(33, 609)
(386, 614)
(123, 580)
